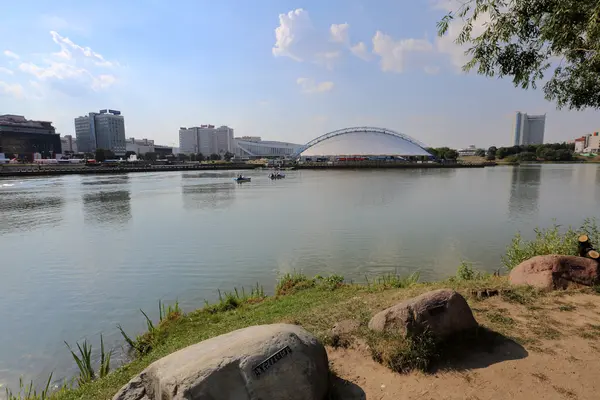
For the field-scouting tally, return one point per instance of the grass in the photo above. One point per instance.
(84, 362)
(553, 240)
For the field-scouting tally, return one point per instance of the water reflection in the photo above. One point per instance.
(105, 180)
(107, 206)
(208, 195)
(524, 190)
(24, 208)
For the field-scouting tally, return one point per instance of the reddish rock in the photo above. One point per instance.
(552, 272)
(443, 312)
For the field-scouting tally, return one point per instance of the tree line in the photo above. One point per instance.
(102, 155)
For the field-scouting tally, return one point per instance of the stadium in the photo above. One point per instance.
(362, 144)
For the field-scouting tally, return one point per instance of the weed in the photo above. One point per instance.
(466, 272)
(540, 376)
(293, 282)
(404, 354)
(546, 241)
(330, 282)
(28, 391)
(522, 295)
(498, 318)
(396, 281)
(84, 361)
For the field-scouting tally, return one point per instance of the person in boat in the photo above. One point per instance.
(240, 177)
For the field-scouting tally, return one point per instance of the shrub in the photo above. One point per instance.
(466, 272)
(330, 282)
(292, 283)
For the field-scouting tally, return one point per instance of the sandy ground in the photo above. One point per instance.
(560, 363)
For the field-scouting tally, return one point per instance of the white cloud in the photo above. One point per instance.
(339, 33)
(298, 39)
(447, 43)
(12, 89)
(395, 54)
(4, 70)
(74, 70)
(309, 85)
(70, 50)
(360, 50)
(11, 54)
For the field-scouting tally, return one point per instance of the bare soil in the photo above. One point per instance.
(551, 350)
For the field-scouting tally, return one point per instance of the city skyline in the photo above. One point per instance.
(285, 71)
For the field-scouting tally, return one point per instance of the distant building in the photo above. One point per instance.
(23, 137)
(68, 144)
(255, 147)
(588, 144)
(101, 130)
(139, 146)
(163, 151)
(469, 151)
(206, 139)
(529, 129)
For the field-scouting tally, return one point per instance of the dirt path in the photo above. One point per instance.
(559, 358)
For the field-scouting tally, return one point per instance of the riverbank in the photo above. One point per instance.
(536, 343)
(16, 170)
(387, 165)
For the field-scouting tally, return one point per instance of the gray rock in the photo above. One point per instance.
(264, 362)
(345, 327)
(443, 312)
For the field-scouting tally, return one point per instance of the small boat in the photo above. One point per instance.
(277, 176)
(241, 179)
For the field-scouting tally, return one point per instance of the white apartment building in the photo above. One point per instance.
(206, 139)
(529, 129)
(588, 144)
(138, 146)
(102, 130)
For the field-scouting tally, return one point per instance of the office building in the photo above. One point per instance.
(101, 130)
(23, 138)
(68, 144)
(139, 146)
(529, 129)
(206, 139)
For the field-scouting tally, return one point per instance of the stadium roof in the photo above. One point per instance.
(366, 141)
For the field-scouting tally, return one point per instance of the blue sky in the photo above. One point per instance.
(283, 70)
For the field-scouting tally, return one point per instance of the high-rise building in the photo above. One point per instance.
(206, 139)
(21, 137)
(101, 130)
(529, 129)
(68, 144)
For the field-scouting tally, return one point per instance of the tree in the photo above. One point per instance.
(501, 153)
(564, 155)
(490, 157)
(182, 157)
(215, 157)
(492, 150)
(200, 157)
(100, 155)
(527, 156)
(150, 156)
(228, 156)
(450, 154)
(522, 38)
(480, 152)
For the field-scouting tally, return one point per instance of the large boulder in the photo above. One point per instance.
(277, 361)
(442, 312)
(555, 272)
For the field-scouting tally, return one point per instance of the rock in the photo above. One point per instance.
(277, 361)
(555, 272)
(345, 327)
(443, 312)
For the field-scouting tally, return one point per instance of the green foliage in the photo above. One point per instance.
(232, 300)
(228, 156)
(200, 157)
(490, 157)
(29, 392)
(546, 241)
(183, 157)
(292, 282)
(400, 354)
(466, 272)
(84, 361)
(331, 282)
(521, 39)
(150, 156)
(443, 153)
(215, 157)
(397, 281)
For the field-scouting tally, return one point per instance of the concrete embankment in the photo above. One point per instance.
(48, 170)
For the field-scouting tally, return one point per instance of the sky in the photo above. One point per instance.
(284, 70)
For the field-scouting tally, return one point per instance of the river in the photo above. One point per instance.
(81, 254)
